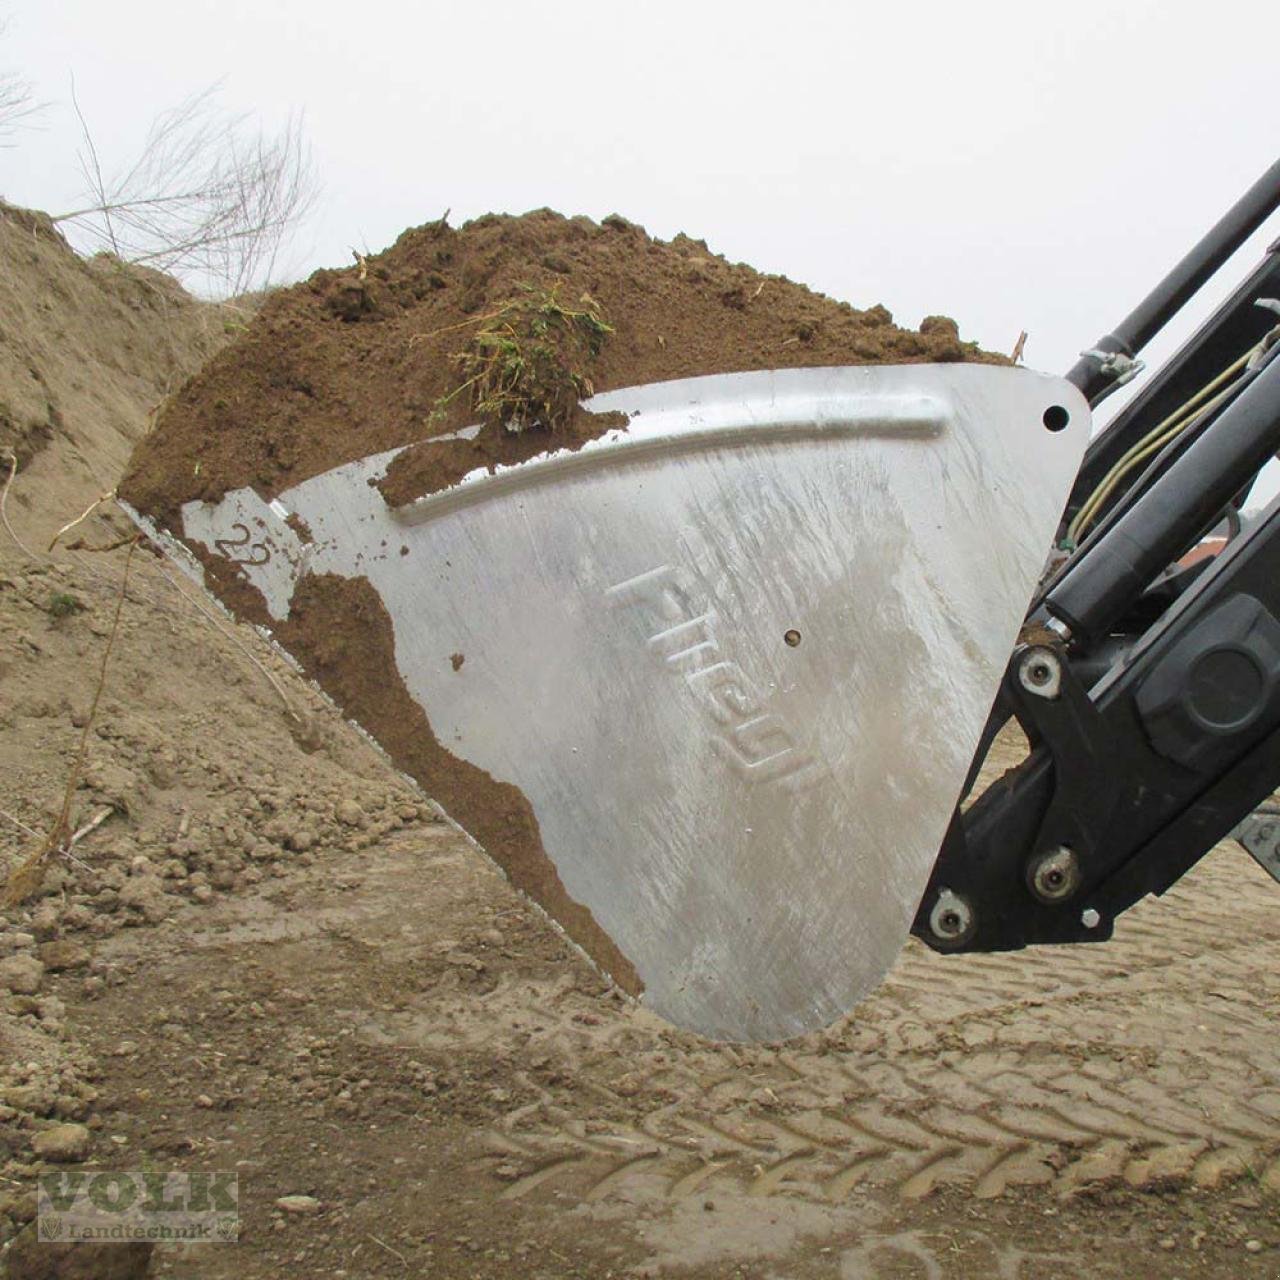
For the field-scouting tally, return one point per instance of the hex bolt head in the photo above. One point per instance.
(1090, 918)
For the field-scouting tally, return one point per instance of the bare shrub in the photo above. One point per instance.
(209, 198)
(17, 103)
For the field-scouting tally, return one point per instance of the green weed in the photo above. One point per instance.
(62, 604)
(525, 367)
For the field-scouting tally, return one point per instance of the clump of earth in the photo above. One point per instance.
(367, 358)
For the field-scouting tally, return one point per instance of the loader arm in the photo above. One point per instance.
(1149, 691)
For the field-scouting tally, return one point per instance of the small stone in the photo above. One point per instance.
(117, 786)
(349, 814)
(161, 773)
(68, 1107)
(16, 941)
(62, 955)
(55, 881)
(22, 974)
(62, 1143)
(1253, 1246)
(204, 1101)
(37, 1099)
(143, 892)
(298, 1204)
(112, 877)
(77, 916)
(51, 1009)
(1167, 1243)
(45, 919)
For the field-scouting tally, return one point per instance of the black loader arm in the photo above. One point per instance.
(1147, 686)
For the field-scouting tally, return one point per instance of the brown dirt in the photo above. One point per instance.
(340, 367)
(276, 960)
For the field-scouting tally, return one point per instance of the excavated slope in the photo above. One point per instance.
(88, 347)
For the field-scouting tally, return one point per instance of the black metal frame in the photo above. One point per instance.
(1151, 698)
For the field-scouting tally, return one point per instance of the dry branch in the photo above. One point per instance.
(12, 460)
(209, 198)
(25, 878)
(17, 103)
(82, 517)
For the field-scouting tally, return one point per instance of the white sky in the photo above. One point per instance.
(1012, 164)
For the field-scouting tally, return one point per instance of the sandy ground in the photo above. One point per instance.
(271, 956)
(291, 968)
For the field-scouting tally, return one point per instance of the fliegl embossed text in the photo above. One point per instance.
(757, 742)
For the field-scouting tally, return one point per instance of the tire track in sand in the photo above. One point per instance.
(1147, 1061)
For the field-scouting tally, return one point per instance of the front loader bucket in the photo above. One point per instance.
(708, 687)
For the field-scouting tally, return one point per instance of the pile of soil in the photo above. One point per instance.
(363, 360)
(357, 361)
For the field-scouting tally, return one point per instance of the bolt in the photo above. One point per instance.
(1058, 627)
(1040, 673)
(1055, 876)
(1090, 918)
(792, 637)
(951, 919)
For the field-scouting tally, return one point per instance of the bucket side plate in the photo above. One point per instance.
(736, 656)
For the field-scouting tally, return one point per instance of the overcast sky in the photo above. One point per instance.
(1014, 165)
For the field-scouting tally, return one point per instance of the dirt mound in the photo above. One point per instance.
(356, 361)
(87, 347)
